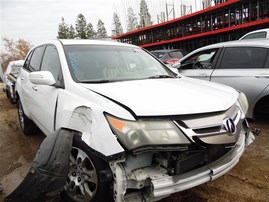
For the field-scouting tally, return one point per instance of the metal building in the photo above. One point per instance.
(225, 21)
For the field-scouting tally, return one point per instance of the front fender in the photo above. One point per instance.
(95, 130)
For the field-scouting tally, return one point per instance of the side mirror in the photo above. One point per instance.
(42, 78)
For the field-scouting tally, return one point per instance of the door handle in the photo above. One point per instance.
(34, 88)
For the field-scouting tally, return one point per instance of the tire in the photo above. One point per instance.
(27, 126)
(84, 182)
(8, 93)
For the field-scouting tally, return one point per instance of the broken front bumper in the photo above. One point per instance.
(171, 184)
(162, 185)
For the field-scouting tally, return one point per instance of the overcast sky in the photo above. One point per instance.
(38, 20)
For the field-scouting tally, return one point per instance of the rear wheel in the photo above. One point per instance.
(27, 126)
(84, 181)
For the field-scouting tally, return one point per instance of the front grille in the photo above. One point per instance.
(180, 162)
(211, 128)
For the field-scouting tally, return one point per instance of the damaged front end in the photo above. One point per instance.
(211, 144)
(154, 172)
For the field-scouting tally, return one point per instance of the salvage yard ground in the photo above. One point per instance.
(248, 181)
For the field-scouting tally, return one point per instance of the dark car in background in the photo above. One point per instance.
(169, 56)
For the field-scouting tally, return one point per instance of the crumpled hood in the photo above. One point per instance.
(172, 96)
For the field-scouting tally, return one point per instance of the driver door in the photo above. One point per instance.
(199, 65)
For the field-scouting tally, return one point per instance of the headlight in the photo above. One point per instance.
(134, 134)
(243, 101)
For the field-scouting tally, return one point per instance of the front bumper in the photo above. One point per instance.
(171, 184)
(162, 185)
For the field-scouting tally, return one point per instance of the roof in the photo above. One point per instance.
(252, 42)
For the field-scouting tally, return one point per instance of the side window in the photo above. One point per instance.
(255, 35)
(201, 60)
(27, 61)
(243, 58)
(51, 61)
(36, 59)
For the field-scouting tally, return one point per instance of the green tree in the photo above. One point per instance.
(63, 30)
(116, 25)
(90, 32)
(101, 30)
(14, 50)
(81, 27)
(72, 32)
(132, 23)
(145, 17)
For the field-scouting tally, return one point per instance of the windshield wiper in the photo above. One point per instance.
(97, 81)
(160, 76)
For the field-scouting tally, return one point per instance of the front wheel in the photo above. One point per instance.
(84, 182)
(27, 126)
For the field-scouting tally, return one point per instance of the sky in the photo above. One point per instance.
(38, 20)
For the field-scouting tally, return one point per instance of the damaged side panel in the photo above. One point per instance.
(94, 133)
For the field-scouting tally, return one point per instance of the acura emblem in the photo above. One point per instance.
(229, 126)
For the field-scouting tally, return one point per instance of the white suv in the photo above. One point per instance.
(154, 133)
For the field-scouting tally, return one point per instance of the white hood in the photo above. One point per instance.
(161, 97)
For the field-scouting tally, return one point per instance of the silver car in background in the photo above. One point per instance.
(243, 65)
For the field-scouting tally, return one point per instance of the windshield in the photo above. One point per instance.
(99, 63)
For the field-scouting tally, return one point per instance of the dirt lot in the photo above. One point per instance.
(248, 181)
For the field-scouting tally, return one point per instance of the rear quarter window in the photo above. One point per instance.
(244, 58)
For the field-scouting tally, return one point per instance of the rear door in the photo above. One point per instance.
(200, 65)
(243, 68)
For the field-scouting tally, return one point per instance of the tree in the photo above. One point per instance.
(101, 30)
(63, 30)
(72, 32)
(132, 23)
(81, 27)
(90, 33)
(15, 50)
(116, 25)
(145, 17)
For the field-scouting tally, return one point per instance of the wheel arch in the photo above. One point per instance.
(261, 107)
(94, 131)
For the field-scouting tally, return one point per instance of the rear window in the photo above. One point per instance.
(256, 35)
(244, 58)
